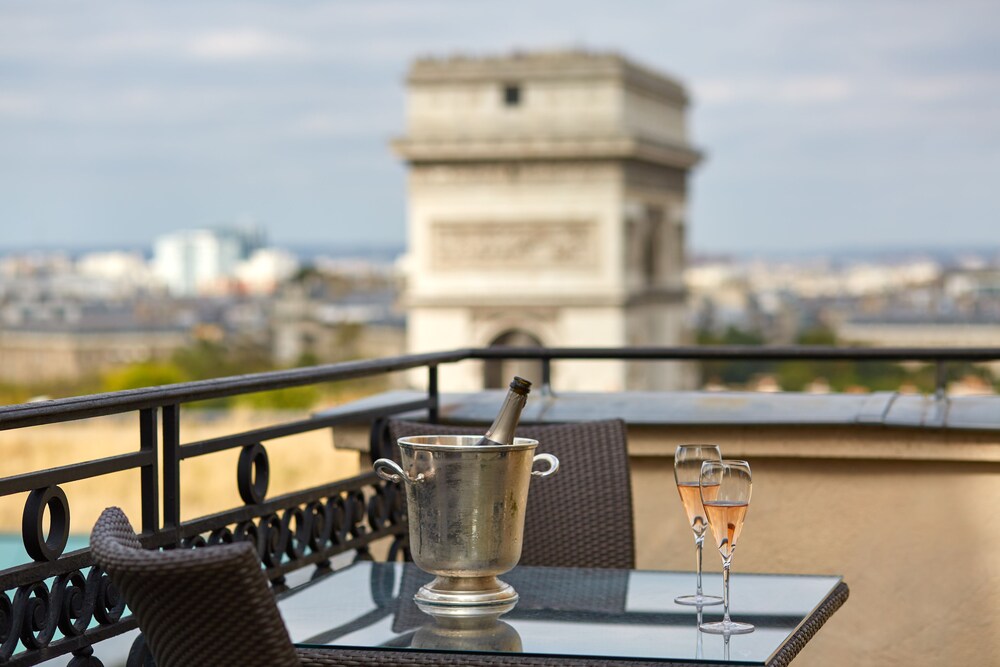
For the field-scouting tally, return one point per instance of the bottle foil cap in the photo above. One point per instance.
(520, 386)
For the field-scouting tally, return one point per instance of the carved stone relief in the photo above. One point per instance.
(514, 245)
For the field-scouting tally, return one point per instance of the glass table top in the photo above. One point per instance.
(626, 614)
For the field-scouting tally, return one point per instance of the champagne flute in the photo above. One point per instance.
(687, 467)
(725, 492)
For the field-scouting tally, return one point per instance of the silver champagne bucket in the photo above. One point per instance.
(466, 507)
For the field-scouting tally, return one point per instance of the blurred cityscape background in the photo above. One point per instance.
(223, 300)
(184, 199)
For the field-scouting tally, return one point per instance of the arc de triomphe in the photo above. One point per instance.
(546, 202)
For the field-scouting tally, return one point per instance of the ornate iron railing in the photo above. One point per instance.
(59, 603)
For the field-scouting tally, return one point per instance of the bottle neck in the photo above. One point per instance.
(502, 430)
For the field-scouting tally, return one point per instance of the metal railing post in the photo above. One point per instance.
(432, 393)
(546, 376)
(171, 465)
(940, 379)
(149, 474)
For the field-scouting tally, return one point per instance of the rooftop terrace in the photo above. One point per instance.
(895, 492)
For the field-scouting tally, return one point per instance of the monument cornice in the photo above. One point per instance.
(431, 150)
(554, 65)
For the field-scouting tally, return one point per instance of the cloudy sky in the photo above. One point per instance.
(826, 124)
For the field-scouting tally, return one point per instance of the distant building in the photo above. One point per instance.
(203, 261)
(921, 331)
(359, 324)
(116, 275)
(547, 206)
(69, 341)
(264, 270)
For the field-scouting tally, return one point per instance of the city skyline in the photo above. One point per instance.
(825, 126)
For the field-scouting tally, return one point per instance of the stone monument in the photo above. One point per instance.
(546, 198)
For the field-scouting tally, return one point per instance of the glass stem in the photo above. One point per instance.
(699, 646)
(699, 540)
(725, 590)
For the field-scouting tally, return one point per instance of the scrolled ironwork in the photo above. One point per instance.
(275, 539)
(194, 542)
(387, 505)
(319, 525)
(312, 529)
(221, 536)
(246, 531)
(298, 537)
(38, 546)
(109, 605)
(253, 473)
(337, 514)
(387, 509)
(8, 631)
(307, 529)
(355, 512)
(74, 615)
(37, 623)
(69, 605)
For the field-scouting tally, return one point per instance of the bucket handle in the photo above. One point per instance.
(389, 470)
(548, 458)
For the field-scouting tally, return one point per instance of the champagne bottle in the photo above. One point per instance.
(502, 430)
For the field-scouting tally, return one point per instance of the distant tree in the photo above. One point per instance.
(147, 374)
(817, 336)
(307, 358)
(289, 398)
(731, 372)
(211, 359)
(796, 375)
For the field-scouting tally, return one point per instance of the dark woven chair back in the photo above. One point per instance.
(208, 607)
(582, 515)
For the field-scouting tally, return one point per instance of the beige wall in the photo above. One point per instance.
(910, 518)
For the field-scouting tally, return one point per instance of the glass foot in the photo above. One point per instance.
(698, 600)
(726, 628)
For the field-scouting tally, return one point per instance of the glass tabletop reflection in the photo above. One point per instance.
(627, 614)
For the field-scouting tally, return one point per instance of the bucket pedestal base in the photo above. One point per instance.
(466, 596)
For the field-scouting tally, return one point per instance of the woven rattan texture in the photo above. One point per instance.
(357, 658)
(582, 515)
(203, 607)
(798, 640)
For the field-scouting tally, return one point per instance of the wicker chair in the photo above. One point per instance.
(206, 607)
(582, 516)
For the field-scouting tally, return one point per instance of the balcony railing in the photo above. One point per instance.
(59, 603)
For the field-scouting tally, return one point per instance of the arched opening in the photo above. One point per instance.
(497, 373)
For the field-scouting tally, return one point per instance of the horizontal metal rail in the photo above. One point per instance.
(292, 428)
(82, 407)
(742, 353)
(73, 472)
(96, 405)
